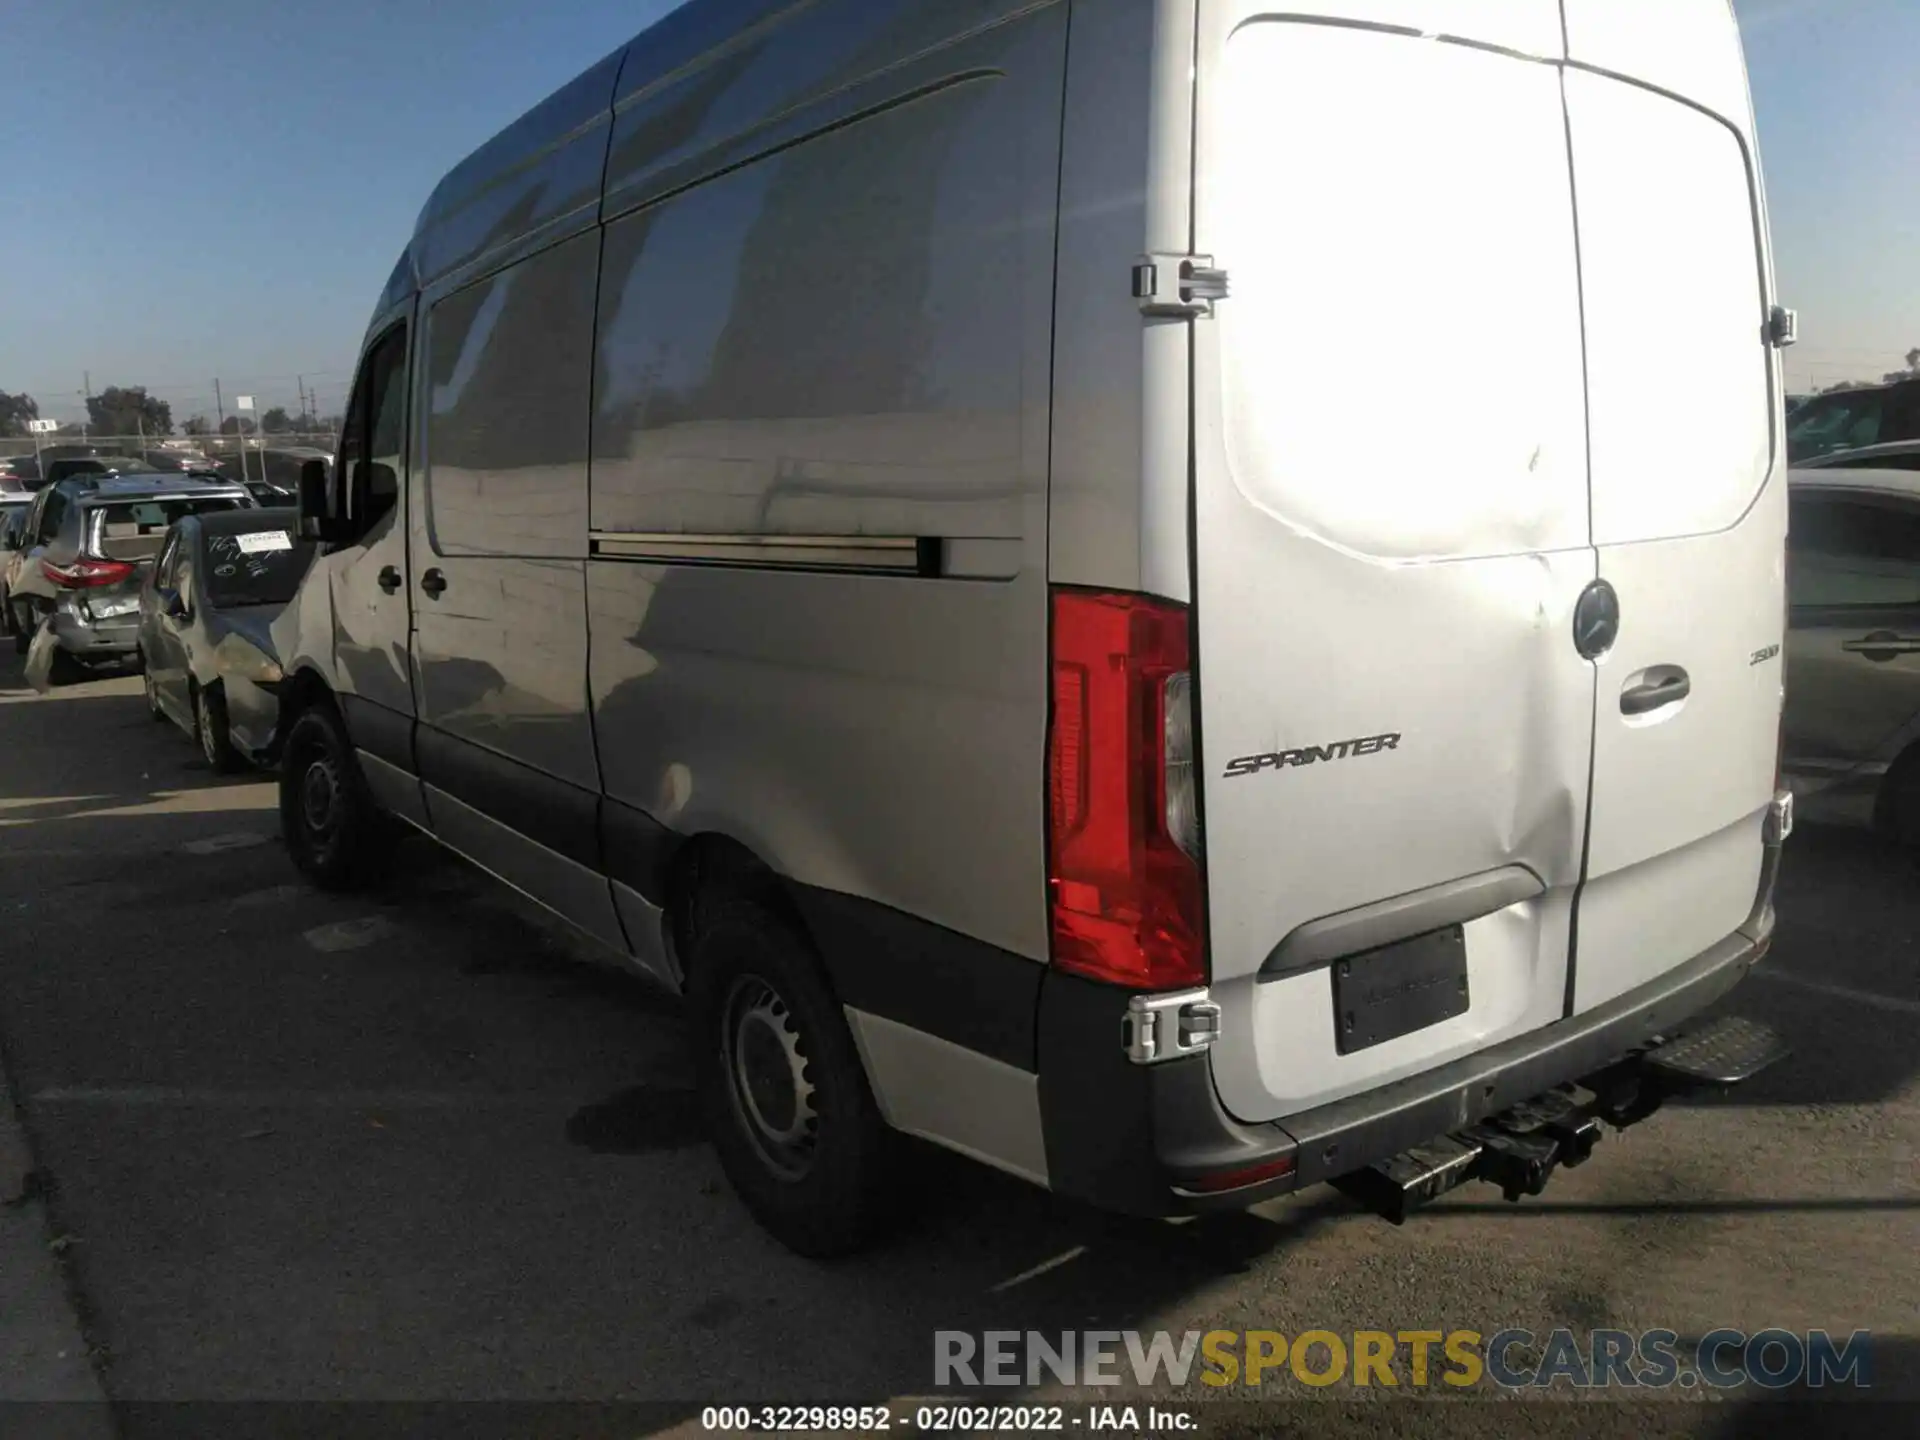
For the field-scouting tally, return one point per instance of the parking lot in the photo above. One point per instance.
(413, 1147)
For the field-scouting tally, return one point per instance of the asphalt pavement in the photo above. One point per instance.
(425, 1145)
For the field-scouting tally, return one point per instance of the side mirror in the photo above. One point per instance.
(172, 603)
(317, 520)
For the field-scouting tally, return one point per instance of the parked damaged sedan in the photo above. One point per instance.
(206, 615)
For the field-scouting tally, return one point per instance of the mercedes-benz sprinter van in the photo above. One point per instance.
(1095, 581)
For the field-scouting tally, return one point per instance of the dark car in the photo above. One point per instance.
(66, 465)
(94, 543)
(1850, 419)
(205, 633)
(19, 475)
(13, 523)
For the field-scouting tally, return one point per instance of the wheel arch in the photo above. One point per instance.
(303, 688)
(711, 864)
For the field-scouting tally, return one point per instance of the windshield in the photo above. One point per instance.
(255, 567)
(1845, 420)
(134, 529)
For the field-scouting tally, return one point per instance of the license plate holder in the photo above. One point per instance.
(1380, 995)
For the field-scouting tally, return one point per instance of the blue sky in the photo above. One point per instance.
(268, 160)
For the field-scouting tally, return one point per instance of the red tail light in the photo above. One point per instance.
(86, 574)
(1125, 898)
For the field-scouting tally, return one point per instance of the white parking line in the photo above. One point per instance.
(214, 844)
(349, 934)
(130, 1096)
(1842, 992)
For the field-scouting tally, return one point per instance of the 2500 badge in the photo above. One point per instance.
(1312, 754)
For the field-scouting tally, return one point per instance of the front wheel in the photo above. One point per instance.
(150, 689)
(210, 728)
(781, 1084)
(335, 833)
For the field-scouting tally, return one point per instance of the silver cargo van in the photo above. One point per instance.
(1094, 580)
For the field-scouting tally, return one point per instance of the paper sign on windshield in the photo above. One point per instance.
(262, 541)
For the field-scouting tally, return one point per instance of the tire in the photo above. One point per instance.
(335, 833)
(781, 1084)
(1897, 807)
(6, 611)
(151, 690)
(210, 729)
(63, 669)
(23, 626)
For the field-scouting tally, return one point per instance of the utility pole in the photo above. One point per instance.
(86, 394)
(220, 410)
(301, 381)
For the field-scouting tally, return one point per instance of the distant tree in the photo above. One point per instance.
(16, 411)
(126, 410)
(276, 421)
(196, 425)
(1913, 368)
(236, 425)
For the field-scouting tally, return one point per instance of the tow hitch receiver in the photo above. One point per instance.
(1520, 1148)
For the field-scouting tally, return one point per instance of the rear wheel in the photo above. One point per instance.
(335, 833)
(1897, 808)
(63, 668)
(210, 729)
(785, 1096)
(150, 689)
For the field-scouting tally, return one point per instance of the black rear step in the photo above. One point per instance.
(1521, 1147)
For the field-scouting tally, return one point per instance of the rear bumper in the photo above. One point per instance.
(1154, 1139)
(114, 639)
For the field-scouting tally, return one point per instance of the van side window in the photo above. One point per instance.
(850, 360)
(1852, 552)
(366, 479)
(509, 362)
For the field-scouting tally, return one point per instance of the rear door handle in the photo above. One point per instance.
(1881, 646)
(433, 582)
(1640, 699)
(389, 578)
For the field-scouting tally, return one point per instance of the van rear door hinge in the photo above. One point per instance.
(1179, 285)
(1783, 327)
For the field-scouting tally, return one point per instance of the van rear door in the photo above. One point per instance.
(1391, 534)
(1688, 484)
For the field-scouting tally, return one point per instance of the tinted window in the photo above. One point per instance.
(1853, 552)
(51, 513)
(135, 529)
(1840, 421)
(510, 374)
(255, 567)
(779, 395)
(373, 438)
(386, 429)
